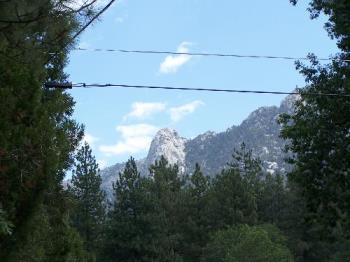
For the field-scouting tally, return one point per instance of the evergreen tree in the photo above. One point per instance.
(250, 169)
(168, 210)
(318, 132)
(231, 201)
(195, 228)
(272, 201)
(37, 133)
(244, 162)
(88, 215)
(129, 231)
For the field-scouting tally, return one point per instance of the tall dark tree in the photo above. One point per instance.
(318, 132)
(128, 230)
(231, 200)
(89, 212)
(249, 167)
(37, 133)
(319, 129)
(273, 199)
(168, 213)
(233, 193)
(195, 228)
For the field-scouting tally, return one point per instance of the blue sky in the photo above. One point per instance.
(121, 122)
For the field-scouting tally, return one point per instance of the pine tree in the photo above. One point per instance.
(129, 230)
(233, 193)
(195, 229)
(249, 167)
(231, 200)
(38, 135)
(88, 216)
(272, 200)
(168, 214)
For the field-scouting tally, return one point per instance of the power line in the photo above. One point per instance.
(99, 13)
(84, 85)
(205, 54)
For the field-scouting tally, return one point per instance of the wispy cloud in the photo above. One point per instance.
(143, 109)
(172, 63)
(177, 113)
(90, 139)
(135, 138)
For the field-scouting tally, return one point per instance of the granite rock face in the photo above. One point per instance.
(260, 132)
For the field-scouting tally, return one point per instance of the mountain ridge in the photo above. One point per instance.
(212, 151)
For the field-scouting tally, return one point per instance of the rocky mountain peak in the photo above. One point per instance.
(260, 132)
(166, 133)
(169, 144)
(287, 104)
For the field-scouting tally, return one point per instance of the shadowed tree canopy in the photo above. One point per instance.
(38, 136)
(318, 133)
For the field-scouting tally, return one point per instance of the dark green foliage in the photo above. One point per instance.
(342, 252)
(196, 225)
(319, 136)
(232, 196)
(37, 133)
(319, 133)
(289, 217)
(129, 230)
(51, 238)
(245, 243)
(250, 168)
(244, 162)
(89, 212)
(231, 201)
(5, 225)
(165, 216)
(168, 215)
(272, 199)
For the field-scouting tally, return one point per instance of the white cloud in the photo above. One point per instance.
(135, 138)
(136, 130)
(173, 62)
(142, 109)
(90, 139)
(177, 113)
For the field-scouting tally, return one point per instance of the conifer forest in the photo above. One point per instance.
(242, 213)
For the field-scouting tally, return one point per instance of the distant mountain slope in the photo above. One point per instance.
(260, 132)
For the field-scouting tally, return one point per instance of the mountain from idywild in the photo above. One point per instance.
(212, 151)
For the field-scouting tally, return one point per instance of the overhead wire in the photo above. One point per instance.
(82, 29)
(205, 54)
(85, 85)
(97, 15)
